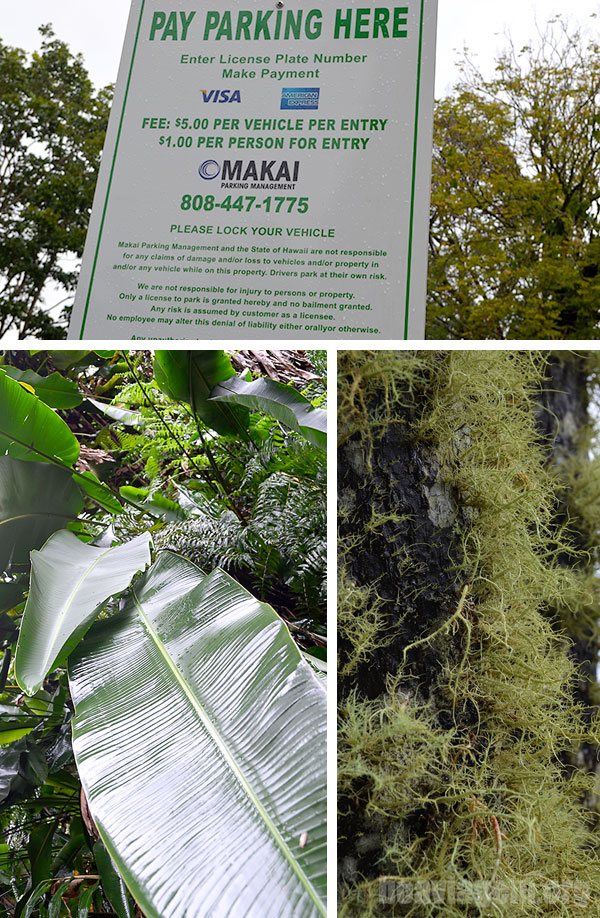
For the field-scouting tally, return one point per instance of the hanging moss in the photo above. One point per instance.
(461, 723)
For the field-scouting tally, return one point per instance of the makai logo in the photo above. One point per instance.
(221, 95)
(239, 173)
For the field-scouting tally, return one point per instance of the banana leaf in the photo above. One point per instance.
(69, 583)
(91, 485)
(40, 851)
(190, 376)
(153, 503)
(279, 401)
(65, 359)
(200, 737)
(36, 499)
(12, 592)
(54, 390)
(112, 884)
(31, 430)
(122, 415)
(15, 723)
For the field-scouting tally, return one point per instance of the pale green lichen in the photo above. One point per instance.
(493, 797)
(361, 622)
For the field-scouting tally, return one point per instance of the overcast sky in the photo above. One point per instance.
(96, 29)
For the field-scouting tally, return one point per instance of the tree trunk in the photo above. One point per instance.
(458, 690)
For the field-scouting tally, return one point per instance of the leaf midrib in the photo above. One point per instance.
(37, 515)
(8, 435)
(229, 758)
(312, 418)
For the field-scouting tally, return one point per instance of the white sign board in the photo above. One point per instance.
(266, 173)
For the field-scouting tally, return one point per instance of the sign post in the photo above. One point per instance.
(266, 173)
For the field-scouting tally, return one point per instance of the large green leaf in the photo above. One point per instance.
(10, 759)
(69, 583)
(200, 737)
(190, 376)
(91, 485)
(131, 418)
(54, 390)
(65, 359)
(40, 851)
(112, 884)
(36, 499)
(15, 723)
(278, 401)
(155, 504)
(11, 593)
(31, 430)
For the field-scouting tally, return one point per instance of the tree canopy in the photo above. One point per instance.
(52, 127)
(514, 241)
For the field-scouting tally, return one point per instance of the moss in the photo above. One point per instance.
(493, 724)
(360, 623)
(386, 745)
(372, 385)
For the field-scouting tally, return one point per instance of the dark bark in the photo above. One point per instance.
(404, 481)
(397, 479)
(563, 420)
(401, 478)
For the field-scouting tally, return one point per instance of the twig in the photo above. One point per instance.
(458, 615)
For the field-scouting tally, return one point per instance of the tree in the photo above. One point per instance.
(514, 242)
(162, 734)
(52, 126)
(468, 610)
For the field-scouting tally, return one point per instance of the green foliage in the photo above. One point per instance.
(36, 499)
(479, 783)
(262, 518)
(514, 249)
(113, 885)
(52, 125)
(103, 473)
(54, 390)
(191, 376)
(227, 728)
(279, 401)
(70, 583)
(29, 429)
(279, 547)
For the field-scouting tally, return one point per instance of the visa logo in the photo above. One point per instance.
(221, 95)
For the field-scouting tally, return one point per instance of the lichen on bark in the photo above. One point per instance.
(466, 702)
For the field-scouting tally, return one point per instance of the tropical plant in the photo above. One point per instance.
(162, 735)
